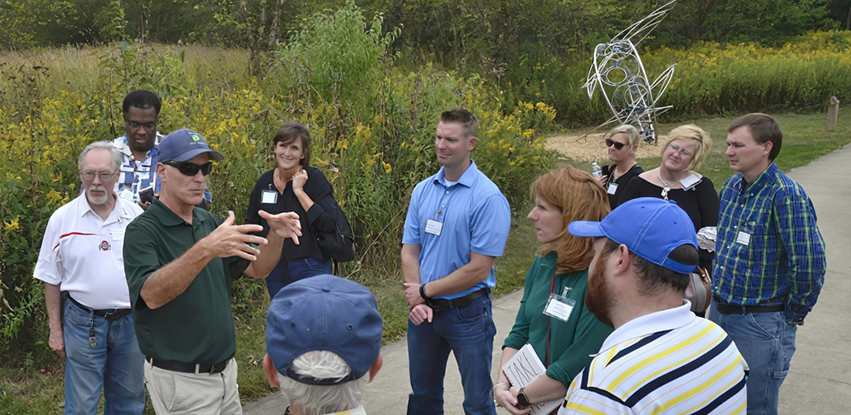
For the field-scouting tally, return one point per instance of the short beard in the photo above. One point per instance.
(598, 299)
(98, 200)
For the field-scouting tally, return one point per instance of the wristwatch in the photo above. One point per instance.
(426, 298)
(522, 399)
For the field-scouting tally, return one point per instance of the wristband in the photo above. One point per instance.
(423, 294)
(499, 384)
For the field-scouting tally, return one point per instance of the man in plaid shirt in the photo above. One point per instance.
(770, 261)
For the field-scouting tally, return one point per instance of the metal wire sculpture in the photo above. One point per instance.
(618, 72)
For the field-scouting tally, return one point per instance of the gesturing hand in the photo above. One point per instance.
(285, 225)
(233, 240)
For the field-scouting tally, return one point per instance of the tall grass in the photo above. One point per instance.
(710, 79)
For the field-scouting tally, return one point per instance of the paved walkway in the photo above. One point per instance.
(819, 381)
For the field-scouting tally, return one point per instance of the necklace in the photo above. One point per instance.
(667, 187)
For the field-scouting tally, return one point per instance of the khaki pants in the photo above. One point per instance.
(177, 393)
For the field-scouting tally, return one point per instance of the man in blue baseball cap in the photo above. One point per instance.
(323, 344)
(178, 273)
(661, 358)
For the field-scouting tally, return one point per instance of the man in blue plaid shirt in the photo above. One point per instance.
(770, 261)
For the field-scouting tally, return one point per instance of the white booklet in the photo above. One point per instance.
(522, 369)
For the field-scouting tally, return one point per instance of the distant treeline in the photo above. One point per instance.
(458, 32)
(516, 45)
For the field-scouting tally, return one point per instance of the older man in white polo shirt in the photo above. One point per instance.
(81, 256)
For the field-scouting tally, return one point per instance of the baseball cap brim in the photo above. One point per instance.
(586, 229)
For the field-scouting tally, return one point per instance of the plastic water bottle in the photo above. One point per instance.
(596, 171)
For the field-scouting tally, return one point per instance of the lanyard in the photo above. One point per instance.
(549, 320)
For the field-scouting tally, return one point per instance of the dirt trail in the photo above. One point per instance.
(594, 148)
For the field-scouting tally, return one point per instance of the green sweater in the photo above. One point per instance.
(572, 342)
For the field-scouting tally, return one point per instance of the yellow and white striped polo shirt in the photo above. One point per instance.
(668, 362)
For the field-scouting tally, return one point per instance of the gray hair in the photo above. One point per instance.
(323, 399)
(116, 155)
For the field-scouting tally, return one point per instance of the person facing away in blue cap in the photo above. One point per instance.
(323, 345)
(661, 358)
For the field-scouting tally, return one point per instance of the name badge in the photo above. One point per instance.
(433, 227)
(689, 181)
(269, 197)
(613, 187)
(117, 234)
(559, 307)
(743, 238)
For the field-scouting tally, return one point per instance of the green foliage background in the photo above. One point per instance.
(372, 126)
(368, 81)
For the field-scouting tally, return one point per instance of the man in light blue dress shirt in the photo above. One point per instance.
(457, 225)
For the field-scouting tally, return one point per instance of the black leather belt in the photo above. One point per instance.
(188, 367)
(747, 309)
(111, 314)
(443, 304)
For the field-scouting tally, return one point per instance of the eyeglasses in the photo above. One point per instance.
(610, 142)
(191, 169)
(148, 126)
(90, 175)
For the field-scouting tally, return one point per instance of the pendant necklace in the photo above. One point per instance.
(667, 187)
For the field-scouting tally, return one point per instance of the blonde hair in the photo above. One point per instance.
(579, 197)
(632, 135)
(704, 143)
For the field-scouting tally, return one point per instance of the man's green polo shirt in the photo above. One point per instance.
(196, 326)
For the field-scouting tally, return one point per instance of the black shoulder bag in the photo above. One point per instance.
(339, 244)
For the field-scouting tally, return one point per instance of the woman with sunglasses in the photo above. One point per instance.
(552, 316)
(622, 141)
(295, 186)
(683, 151)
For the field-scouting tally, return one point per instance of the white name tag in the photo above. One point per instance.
(433, 227)
(613, 187)
(743, 238)
(689, 181)
(559, 307)
(117, 234)
(269, 197)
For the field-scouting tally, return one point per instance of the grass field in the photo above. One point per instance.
(39, 390)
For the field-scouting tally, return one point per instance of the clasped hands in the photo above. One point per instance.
(420, 312)
(236, 240)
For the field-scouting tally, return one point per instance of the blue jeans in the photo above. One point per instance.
(115, 365)
(309, 267)
(468, 332)
(767, 343)
(278, 278)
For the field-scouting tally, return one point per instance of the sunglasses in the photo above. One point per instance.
(610, 142)
(191, 169)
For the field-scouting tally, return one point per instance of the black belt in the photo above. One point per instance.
(747, 309)
(188, 367)
(111, 314)
(460, 302)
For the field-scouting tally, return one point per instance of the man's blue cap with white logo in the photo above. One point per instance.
(183, 145)
(324, 312)
(651, 228)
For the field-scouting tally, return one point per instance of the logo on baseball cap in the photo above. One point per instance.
(183, 145)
